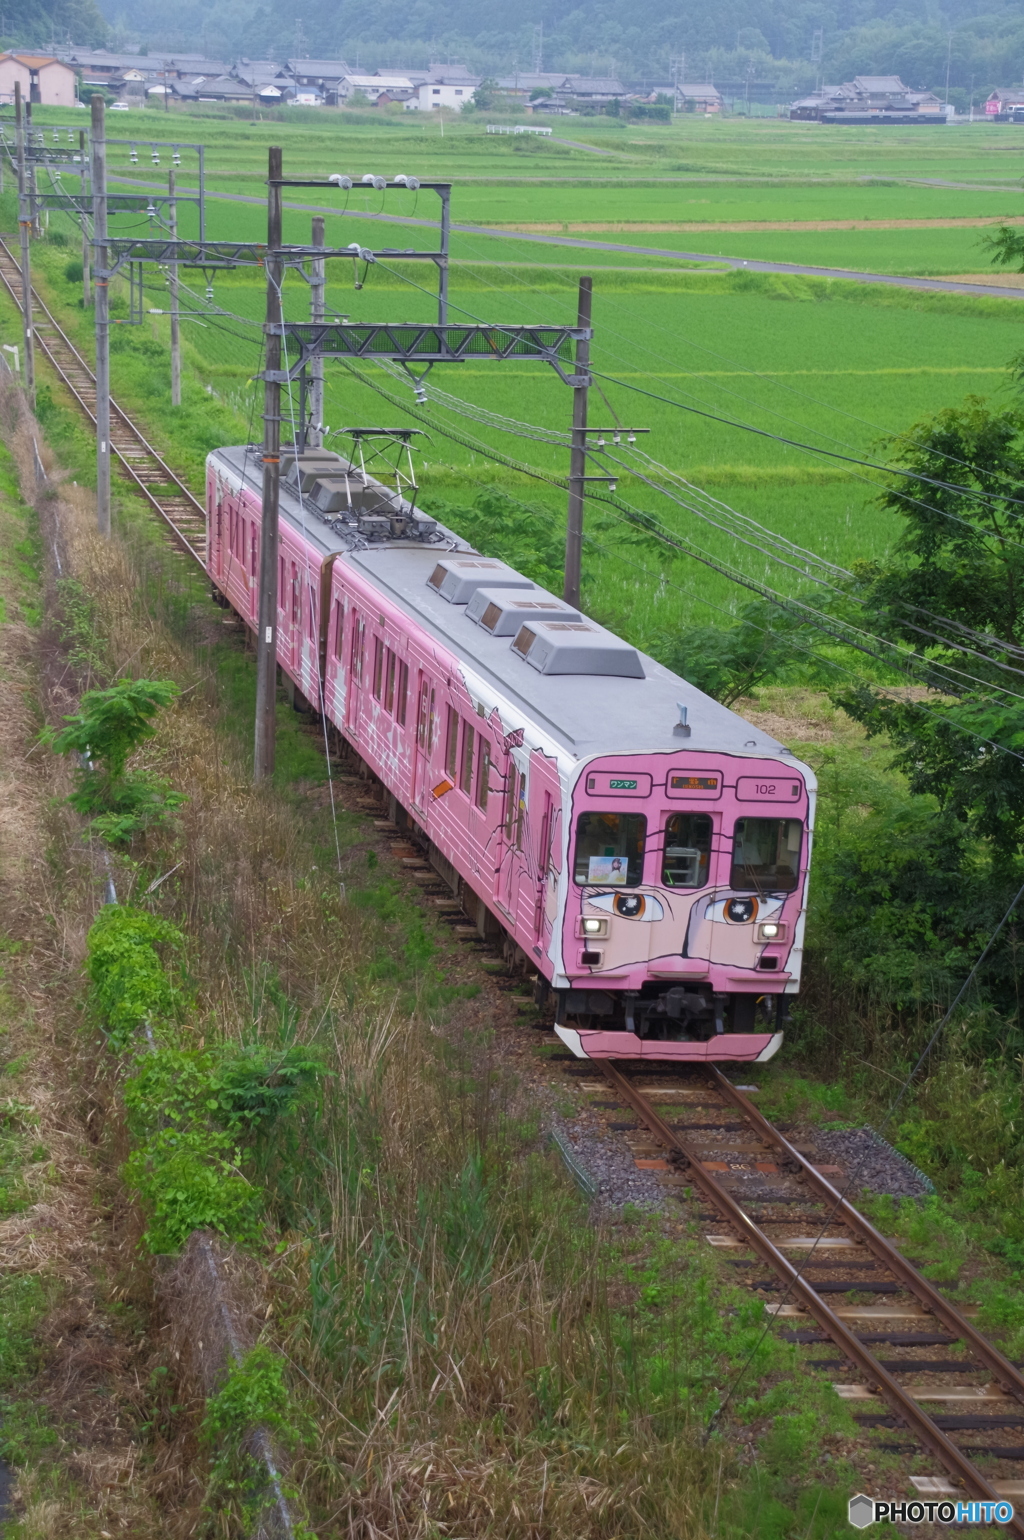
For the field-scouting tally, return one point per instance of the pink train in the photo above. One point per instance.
(644, 849)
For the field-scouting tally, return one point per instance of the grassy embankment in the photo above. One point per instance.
(461, 1345)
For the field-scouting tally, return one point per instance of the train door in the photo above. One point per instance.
(511, 837)
(254, 568)
(356, 672)
(543, 864)
(426, 711)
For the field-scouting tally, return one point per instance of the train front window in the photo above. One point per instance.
(687, 851)
(766, 854)
(610, 849)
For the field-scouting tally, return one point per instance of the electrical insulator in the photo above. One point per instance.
(133, 156)
(209, 292)
(155, 156)
(616, 438)
(176, 158)
(151, 211)
(631, 439)
(56, 137)
(600, 443)
(612, 486)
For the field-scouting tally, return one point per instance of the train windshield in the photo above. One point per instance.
(687, 851)
(766, 854)
(610, 849)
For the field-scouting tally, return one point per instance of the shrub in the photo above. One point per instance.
(129, 986)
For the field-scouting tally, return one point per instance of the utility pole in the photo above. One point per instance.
(26, 268)
(175, 325)
(266, 641)
(949, 56)
(32, 188)
(578, 455)
(102, 314)
(86, 250)
(315, 437)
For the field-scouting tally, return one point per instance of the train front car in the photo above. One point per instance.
(685, 898)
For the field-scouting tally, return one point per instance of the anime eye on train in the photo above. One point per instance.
(628, 906)
(742, 910)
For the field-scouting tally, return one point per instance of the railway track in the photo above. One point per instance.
(138, 463)
(793, 1237)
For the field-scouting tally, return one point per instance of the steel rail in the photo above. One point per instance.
(1008, 1376)
(906, 1409)
(169, 478)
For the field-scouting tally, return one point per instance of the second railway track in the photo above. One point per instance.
(763, 1196)
(143, 467)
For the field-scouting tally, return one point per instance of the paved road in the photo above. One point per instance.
(576, 243)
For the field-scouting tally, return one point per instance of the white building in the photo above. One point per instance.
(393, 87)
(441, 93)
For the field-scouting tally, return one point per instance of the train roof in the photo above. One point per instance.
(586, 714)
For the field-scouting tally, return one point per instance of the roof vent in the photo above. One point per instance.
(576, 647)
(300, 471)
(502, 611)
(458, 578)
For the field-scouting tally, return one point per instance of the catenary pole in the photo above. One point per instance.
(102, 313)
(23, 235)
(32, 186)
(266, 641)
(175, 323)
(317, 287)
(86, 249)
(578, 453)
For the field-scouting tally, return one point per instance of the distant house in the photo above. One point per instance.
(44, 79)
(442, 93)
(698, 99)
(322, 76)
(867, 99)
(557, 92)
(375, 88)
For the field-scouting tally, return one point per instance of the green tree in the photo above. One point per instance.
(953, 595)
(107, 730)
(730, 662)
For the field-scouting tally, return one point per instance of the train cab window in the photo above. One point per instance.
(766, 854)
(610, 849)
(687, 854)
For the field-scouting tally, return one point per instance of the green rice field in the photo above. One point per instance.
(831, 364)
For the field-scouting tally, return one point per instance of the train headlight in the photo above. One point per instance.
(592, 926)
(771, 930)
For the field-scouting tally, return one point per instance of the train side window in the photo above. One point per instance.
(451, 742)
(378, 666)
(253, 549)
(610, 849)
(422, 719)
(402, 701)
(389, 681)
(468, 740)
(687, 854)
(339, 629)
(766, 854)
(483, 772)
(432, 722)
(511, 799)
(280, 585)
(296, 596)
(312, 610)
